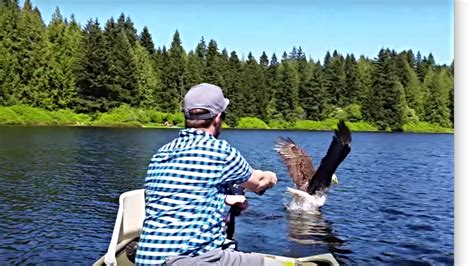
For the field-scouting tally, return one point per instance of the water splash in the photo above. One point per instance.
(302, 201)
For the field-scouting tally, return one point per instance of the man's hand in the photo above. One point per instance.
(261, 181)
(271, 177)
(238, 201)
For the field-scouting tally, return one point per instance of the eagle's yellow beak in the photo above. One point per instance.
(335, 180)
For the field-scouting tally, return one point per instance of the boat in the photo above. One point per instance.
(128, 225)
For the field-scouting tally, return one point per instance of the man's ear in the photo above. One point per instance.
(216, 120)
(218, 117)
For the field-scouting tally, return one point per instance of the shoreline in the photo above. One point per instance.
(121, 126)
(127, 117)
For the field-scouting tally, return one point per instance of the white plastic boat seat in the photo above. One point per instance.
(133, 203)
(128, 223)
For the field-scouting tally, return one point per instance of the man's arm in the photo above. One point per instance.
(260, 180)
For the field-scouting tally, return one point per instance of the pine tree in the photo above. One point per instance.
(300, 54)
(267, 93)
(10, 80)
(297, 58)
(273, 86)
(224, 68)
(293, 54)
(423, 65)
(122, 83)
(201, 49)
(146, 40)
(160, 59)
(327, 59)
(286, 95)
(415, 93)
(196, 64)
(436, 106)
(166, 99)
(147, 79)
(33, 56)
(451, 105)
(334, 71)
(213, 72)
(386, 95)
(234, 90)
(351, 95)
(174, 79)
(430, 60)
(225, 56)
(446, 90)
(194, 70)
(92, 71)
(451, 94)
(254, 88)
(365, 75)
(264, 60)
(401, 106)
(13, 4)
(313, 98)
(409, 58)
(451, 68)
(64, 40)
(126, 26)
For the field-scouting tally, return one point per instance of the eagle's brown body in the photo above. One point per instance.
(307, 178)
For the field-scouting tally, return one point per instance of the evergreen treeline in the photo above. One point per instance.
(91, 68)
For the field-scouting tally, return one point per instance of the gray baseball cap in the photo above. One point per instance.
(205, 96)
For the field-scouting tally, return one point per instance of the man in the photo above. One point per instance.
(185, 189)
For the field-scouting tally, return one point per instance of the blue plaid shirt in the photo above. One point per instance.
(184, 190)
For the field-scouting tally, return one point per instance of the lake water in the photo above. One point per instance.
(394, 204)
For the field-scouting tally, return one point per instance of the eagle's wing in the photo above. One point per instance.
(337, 152)
(299, 163)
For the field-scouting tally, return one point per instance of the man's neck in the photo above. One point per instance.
(209, 130)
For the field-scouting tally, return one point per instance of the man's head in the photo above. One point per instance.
(204, 106)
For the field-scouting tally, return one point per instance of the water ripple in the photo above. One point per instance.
(394, 204)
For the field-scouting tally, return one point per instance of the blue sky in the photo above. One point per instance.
(361, 27)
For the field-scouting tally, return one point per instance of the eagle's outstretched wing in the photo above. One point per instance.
(299, 163)
(337, 152)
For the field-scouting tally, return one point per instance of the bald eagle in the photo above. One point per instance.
(310, 184)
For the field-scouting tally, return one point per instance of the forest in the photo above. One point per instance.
(91, 72)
